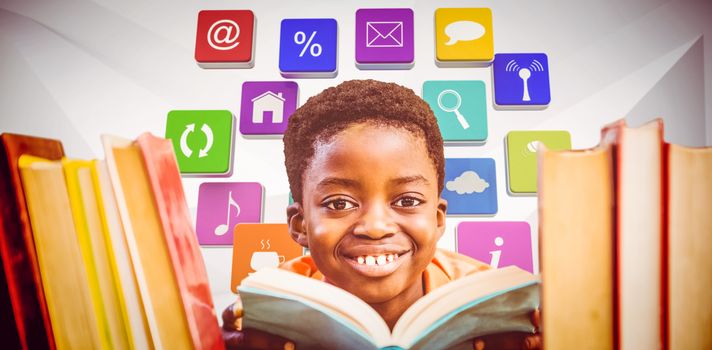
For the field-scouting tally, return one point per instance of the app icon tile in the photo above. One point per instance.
(266, 106)
(202, 141)
(470, 186)
(521, 80)
(257, 246)
(384, 38)
(463, 37)
(225, 39)
(497, 243)
(222, 205)
(307, 48)
(460, 107)
(521, 157)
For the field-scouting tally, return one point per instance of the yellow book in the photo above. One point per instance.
(689, 241)
(129, 299)
(152, 265)
(71, 175)
(87, 221)
(576, 248)
(64, 277)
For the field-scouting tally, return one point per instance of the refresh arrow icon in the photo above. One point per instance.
(209, 143)
(184, 140)
(203, 152)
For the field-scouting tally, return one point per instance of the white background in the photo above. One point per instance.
(75, 69)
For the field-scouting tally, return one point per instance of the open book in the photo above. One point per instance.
(317, 315)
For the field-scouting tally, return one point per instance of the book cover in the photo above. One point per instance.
(152, 263)
(181, 241)
(85, 213)
(689, 223)
(7, 318)
(129, 300)
(17, 247)
(576, 208)
(64, 278)
(638, 177)
(318, 315)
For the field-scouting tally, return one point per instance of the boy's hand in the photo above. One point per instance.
(512, 340)
(236, 337)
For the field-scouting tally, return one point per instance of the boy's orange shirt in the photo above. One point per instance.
(446, 266)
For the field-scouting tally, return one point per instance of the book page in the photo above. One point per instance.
(466, 292)
(341, 302)
(309, 325)
(506, 312)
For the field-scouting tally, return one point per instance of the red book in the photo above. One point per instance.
(7, 318)
(181, 241)
(17, 246)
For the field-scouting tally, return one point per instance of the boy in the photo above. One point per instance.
(365, 163)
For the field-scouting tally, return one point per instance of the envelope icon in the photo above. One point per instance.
(384, 34)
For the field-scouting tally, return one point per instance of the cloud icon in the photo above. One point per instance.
(463, 31)
(467, 183)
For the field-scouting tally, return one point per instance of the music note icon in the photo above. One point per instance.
(213, 225)
(223, 228)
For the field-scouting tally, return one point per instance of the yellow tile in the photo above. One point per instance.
(464, 34)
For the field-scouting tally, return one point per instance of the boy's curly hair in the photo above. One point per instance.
(352, 102)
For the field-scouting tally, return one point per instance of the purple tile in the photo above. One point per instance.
(384, 36)
(266, 106)
(222, 205)
(498, 243)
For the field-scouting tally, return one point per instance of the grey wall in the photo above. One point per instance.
(74, 69)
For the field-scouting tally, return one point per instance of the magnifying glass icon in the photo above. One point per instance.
(455, 108)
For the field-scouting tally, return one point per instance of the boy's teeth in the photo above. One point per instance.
(371, 260)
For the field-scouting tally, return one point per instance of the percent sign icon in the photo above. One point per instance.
(300, 38)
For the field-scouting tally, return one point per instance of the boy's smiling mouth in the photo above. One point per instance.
(375, 260)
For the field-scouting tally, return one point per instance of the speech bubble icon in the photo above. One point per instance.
(463, 31)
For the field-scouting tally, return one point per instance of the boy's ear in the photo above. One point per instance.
(442, 210)
(297, 227)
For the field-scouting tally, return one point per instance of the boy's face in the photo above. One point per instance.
(371, 213)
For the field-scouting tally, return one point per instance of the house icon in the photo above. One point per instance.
(270, 104)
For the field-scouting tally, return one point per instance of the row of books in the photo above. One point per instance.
(99, 254)
(625, 237)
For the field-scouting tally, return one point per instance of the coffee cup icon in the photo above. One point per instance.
(264, 259)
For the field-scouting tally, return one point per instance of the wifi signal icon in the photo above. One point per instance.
(524, 74)
(521, 79)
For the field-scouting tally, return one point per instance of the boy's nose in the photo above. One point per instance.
(376, 223)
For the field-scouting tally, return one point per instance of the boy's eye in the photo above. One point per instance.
(407, 202)
(340, 204)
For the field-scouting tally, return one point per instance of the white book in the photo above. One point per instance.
(318, 315)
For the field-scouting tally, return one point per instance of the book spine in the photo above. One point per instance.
(181, 241)
(664, 269)
(616, 243)
(17, 247)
